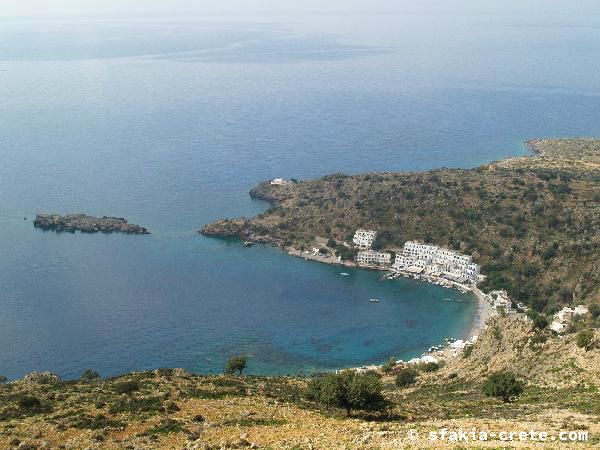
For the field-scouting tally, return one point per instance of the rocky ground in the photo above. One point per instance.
(87, 224)
(576, 155)
(175, 409)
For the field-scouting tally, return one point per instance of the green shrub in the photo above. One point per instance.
(256, 422)
(166, 426)
(215, 395)
(389, 365)
(502, 385)
(29, 402)
(348, 390)
(584, 338)
(98, 422)
(235, 364)
(90, 375)
(406, 377)
(3, 379)
(429, 367)
(127, 387)
(137, 405)
(346, 254)
(468, 350)
(540, 322)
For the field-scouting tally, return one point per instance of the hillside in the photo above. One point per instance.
(177, 410)
(533, 223)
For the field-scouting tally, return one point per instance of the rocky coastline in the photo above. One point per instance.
(86, 224)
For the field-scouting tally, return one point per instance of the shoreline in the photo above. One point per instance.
(482, 314)
(476, 326)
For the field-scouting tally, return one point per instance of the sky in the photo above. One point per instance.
(86, 7)
(12, 8)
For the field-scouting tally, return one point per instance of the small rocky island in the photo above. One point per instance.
(86, 224)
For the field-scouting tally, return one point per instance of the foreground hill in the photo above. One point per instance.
(532, 222)
(175, 409)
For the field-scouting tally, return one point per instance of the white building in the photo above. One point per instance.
(364, 239)
(280, 182)
(564, 317)
(558, 326)
(433, 259)
(373, 258)
(501, 301)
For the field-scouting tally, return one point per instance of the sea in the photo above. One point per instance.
(170, 120)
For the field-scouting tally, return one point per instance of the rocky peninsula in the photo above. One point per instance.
(532, 223)
(87, 224)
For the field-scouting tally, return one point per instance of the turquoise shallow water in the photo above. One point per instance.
(169, 123)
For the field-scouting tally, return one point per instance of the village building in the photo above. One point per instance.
(501, 302)
(433, 259)
(280, 182)
(565, 316)
(373, 258)
(364, 239)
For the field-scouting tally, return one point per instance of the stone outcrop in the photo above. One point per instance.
(239, 229)
(87, 224)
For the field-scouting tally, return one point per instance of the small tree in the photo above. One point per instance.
(468, 351)
(429, 367)
(29, 402)
(90, 375)
(3, 379)
(584, 338)
(365, 393)
(331, 243)
(540, 322)
(329, 390)
(348, 390)
(595, 310)
(406, 377)
(502, 385)
(389, 365)
(235, 364)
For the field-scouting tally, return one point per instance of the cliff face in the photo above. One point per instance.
(86, 224)
(533, 223)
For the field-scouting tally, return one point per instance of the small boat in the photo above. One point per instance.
(248, 243)
(374, 300)
(345, 274)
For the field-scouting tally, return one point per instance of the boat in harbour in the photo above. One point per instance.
(374, 300)
(345, 274)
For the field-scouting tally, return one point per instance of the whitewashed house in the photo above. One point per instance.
(433, 259)
(364, 239)
(280, 182)
(501, 301)
(373, 258)
(564, 317)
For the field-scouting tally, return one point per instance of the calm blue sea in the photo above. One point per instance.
(169, 122)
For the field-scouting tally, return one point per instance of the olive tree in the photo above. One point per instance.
(348, 390)
(502, 385)
(235, 364)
